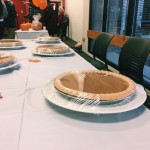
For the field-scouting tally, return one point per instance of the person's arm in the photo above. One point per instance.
(13, 11)
(5, 12)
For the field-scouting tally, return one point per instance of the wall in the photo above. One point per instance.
(85, 26)
(78, 11)
(74, 8)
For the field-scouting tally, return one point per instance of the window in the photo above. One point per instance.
(96, 18)
(142, 28)
(116, 16)
(97, 14)
(108, 16)
(127, 17)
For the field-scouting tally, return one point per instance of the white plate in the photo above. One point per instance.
(10, 65)
(130, 103)
(12, 48)
(83, 100)
(53, 54)
(6, 64)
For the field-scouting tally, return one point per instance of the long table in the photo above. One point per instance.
(28, 121)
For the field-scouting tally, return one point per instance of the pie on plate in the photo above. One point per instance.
(87, 106)
(7, 43)
(95, 85)
(51, 49)
(5, 59)
(48, 39)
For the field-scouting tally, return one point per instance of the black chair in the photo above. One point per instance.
(100, 46)
(114, 50)
(133, 57)
(146, 73)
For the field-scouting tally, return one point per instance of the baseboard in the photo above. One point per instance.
(112, 69)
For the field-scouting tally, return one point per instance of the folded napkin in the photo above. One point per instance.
(34, 60)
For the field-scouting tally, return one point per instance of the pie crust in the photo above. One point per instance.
(48, 38)
(10, 43)
(95, 85)
(5, 59)
(52, 49)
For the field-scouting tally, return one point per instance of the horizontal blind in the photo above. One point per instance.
(117, 13)
(143, 19)
(96, 19)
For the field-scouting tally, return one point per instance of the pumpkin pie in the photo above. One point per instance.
(48, 38)
(95, 85)
(52, 49)
(10, 43)
(5, 59)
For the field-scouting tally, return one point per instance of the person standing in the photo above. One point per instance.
(32, 10)
(3, 15)
(10, 21)
(50, 20)
(63, 22)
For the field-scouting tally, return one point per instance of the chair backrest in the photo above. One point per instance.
(117, 41)
(114, 49)
(101, 44)
(133, 57)
(92, 34)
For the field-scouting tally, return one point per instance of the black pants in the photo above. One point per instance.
(1, 29)
(62, 30)
(51, 30)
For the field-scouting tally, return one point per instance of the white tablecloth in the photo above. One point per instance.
(29, 122)
(30, 34)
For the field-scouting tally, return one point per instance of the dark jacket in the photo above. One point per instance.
(3, 11)
(10, 21)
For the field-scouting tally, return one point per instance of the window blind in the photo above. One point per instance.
(117, 13)
(143, 19)
(97, 15)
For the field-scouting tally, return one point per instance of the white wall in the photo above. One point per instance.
(74, 8)
(78, 11)
(85, 26)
